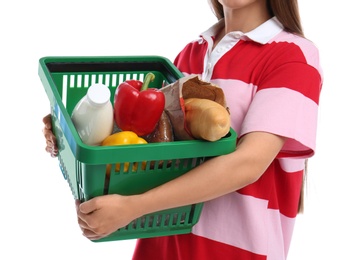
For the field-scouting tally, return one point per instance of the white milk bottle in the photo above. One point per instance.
(93, 115)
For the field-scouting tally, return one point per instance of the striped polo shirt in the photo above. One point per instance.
(272, 82)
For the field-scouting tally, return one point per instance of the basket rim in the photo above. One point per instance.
(99, 155)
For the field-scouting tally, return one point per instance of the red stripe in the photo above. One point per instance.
(194, 65)
(261, 65)
(280, 188)
(188, 247)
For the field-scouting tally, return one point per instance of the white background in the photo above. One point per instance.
(38, 218)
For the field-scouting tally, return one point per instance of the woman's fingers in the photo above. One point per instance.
(51, 146)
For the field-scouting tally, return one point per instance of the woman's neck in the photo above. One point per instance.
(245, 19)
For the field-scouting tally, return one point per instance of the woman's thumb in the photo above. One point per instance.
(88, 207)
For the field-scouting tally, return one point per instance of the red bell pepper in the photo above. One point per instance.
(138, 108)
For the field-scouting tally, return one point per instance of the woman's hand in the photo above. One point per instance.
(103, 215)
(50, 138)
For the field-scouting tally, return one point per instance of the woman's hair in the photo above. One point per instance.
(286, 11)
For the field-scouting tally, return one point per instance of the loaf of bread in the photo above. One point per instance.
(206, 119)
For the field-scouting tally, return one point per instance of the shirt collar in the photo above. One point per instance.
(261, 34)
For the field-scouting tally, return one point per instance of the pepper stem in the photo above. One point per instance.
(148, 78)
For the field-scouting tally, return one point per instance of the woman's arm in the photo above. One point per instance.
(223, 174)
(218, 176)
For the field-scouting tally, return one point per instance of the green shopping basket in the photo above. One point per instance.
(65, 80)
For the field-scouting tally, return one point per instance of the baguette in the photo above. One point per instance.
(206, 119)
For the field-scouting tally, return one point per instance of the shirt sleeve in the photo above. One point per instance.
(286, 104)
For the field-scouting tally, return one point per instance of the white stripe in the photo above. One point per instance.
(64, 90)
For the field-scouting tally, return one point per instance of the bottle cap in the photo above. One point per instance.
(98, 94)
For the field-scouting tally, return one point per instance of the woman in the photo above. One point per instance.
(271, 78)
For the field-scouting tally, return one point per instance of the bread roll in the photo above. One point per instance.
(206, 119)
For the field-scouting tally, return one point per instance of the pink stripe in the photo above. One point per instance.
(292, 165)
(238, 97)
(280, 235)
(287, 113)
(247, 224)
